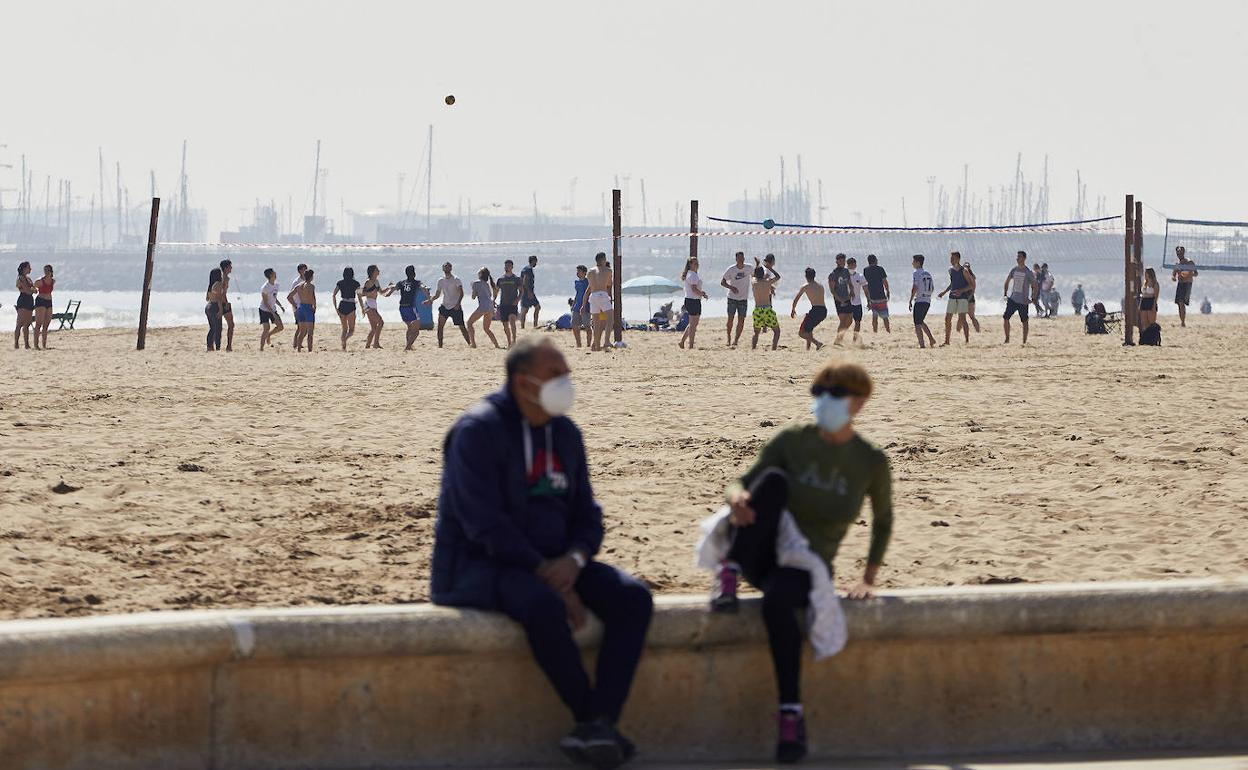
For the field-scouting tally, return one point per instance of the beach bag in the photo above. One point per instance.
(1151, 335)
(1094, 324)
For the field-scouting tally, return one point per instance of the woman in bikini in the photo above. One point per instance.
(215, 297)
(43, 306)
(484, 291)
(372, 287)
(25, 306)
(1148, 299)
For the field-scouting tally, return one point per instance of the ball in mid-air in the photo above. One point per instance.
(768, 224)
(450, 99)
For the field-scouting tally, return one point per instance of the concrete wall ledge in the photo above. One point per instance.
(945, 647)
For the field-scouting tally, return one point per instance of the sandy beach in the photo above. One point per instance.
(263, 479)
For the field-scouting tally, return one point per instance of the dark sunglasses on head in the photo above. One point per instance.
(836, 391)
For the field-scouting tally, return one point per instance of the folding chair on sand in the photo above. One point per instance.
(69, 316)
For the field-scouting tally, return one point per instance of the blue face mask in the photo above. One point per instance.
(831, 414)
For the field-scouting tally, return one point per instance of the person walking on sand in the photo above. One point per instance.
(528, 294)
(25, 306)
(857, 293)
(764, 314)
(813, 292)
(878, 294)
(1183, 275)
(369, 292)
(970, 298)
(812, 478)
(1038, 272)
(409, 309)
(270, 308)
(344, 300)
(737, 281)
(483, 291)
(43, 307)
(1020, 288)
(303, 299)
(1150, 292)
(842, 295)
(295, 284)
(451, 291)
(215, 297)
(1079, 299)
(580, 305)
(601, 281)
(227, 310)
(693, 301)
(519, 532)
(509, 288)
(960, 285)
(921, 288)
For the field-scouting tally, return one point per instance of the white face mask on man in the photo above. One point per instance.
(556, 396)
(831, 413)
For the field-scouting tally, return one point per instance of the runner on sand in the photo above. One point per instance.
(764, 313)
(1020, 288)
(921, 300)
(838, 287)
(483, 291)
(601, 308)
(960, 286)
(812, 291)
(737, 281)
(451, 292)
(270, 308)
(878, 293)
(303, 299)
(510, 287)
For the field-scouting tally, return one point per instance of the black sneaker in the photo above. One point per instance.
(791, 746)
(595, 743)
(724, 592)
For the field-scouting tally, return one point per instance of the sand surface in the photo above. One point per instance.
(273, 478)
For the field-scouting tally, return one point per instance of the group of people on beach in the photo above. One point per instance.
(34, 307)
(506, 298)
(527, 545)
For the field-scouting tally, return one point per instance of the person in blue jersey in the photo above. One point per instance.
(580, 305)
(519, 531)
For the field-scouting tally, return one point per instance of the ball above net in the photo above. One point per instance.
(768, 224)
(450, 99)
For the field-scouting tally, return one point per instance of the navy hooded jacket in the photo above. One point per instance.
(487, 522)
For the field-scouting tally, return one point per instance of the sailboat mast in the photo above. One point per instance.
(429, 189)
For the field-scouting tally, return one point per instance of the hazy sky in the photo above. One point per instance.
(698, 98)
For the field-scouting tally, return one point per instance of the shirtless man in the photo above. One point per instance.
(303, 299)
(295, 284)
(227, 312)
(764, 313)
(451, 291)
(812, 291)
(1183, 275)
(601, 282)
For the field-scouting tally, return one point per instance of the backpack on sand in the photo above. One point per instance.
(1151, 335)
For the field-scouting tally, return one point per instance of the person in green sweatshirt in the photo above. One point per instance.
(820, 472)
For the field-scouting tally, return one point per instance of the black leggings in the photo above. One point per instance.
(785, 589)
(213, 311)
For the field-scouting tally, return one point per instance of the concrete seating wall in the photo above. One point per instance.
(991, 669)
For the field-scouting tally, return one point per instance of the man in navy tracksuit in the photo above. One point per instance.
(517, 532)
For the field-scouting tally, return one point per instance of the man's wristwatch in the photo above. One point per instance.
(578, 557)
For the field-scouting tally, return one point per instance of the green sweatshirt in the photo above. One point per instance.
(827, 484)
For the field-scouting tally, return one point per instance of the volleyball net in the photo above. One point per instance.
(1212, 245)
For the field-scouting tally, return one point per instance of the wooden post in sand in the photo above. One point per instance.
(617, 266)
(1138, 256)
(147, 274)
(1128, 275)
(693, 229)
